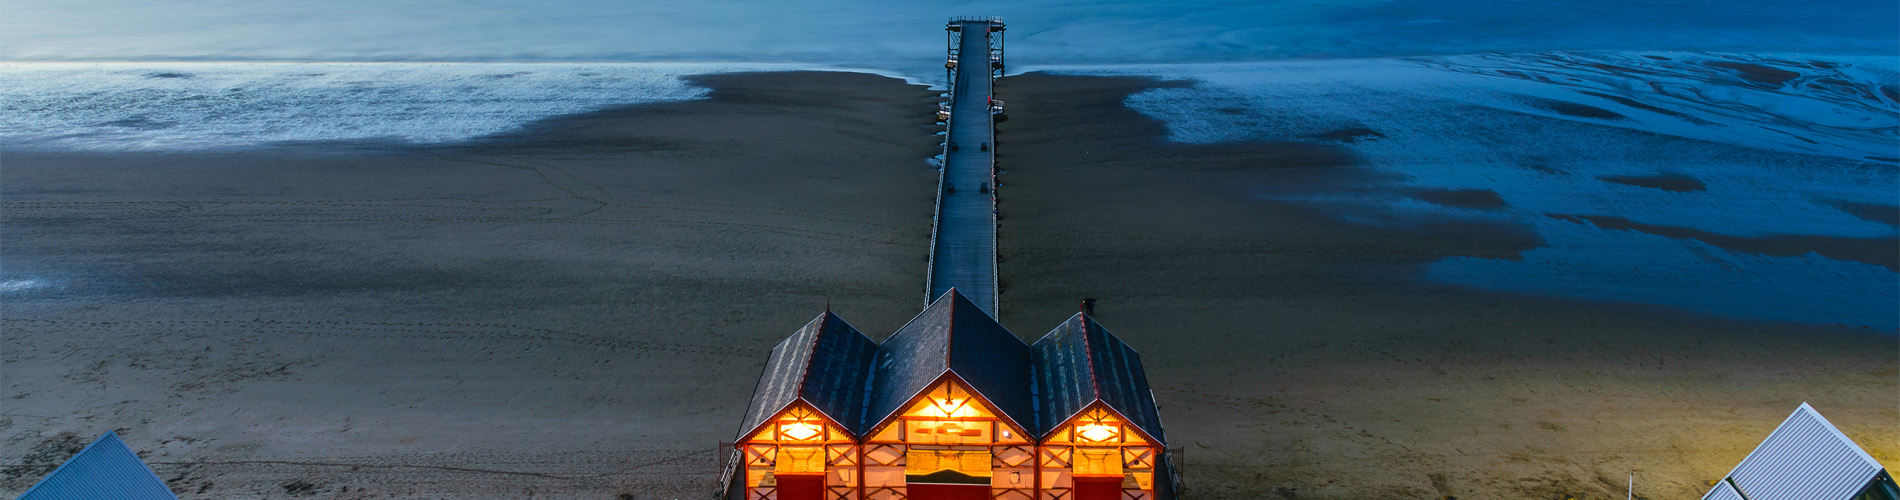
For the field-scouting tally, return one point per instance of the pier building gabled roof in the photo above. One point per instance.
(824, 364)
(1806, 458)
(104, 469)
(1080, 363)
(952, 337)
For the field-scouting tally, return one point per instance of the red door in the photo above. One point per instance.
(1098, 488)
(801, 487)
(918, 491)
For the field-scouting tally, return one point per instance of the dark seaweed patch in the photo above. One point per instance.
(140, 123)
(1671, 182)
(1350, 134)
(1757, 73)
(1459, 198)
(1635, 104)
(1573, 109)
(1871, 212)
(1879, 251)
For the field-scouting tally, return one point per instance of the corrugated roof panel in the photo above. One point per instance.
(834, 379)
(1079, 363)
(952, 335)
(1806, 458)
(1121, 382)
(105, 469)
(1062, 375)
(825, 362)
(1722, 491)
(907, 362)
(994, 362)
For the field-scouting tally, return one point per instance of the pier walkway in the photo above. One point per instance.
(963, 245)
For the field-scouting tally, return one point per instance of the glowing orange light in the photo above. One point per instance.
(949, 406)
(1097, 432)
(799, 430)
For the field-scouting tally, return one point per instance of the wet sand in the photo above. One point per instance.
(580, 309)
(576, 310)
(1296, 355)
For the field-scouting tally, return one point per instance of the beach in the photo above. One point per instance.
(581, 308)
(576, 309)
(1297, 355)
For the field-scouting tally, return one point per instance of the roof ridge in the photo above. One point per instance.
(950, 329)
(1052, 332)
(854, 329)
(1088, 356)
(811, 353)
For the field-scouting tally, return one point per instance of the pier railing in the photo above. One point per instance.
(1172, 459)
(936, 212)
(727, 455)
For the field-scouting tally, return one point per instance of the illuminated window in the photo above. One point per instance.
(801, 424)
(1098, 462)
(1097, 427)
(800, 460)
(972, 463)
(1097, 433)
(948, 414)
(949, 401)
(799, 431)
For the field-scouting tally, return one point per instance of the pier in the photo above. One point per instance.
(963, 238)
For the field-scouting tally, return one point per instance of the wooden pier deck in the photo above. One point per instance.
(963, 245)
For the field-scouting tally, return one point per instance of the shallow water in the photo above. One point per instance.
(1743, 185)
(908, 35)
(1712, 157)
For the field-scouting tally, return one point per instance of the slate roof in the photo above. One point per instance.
(952, 335)
(860, 384)
(825, 363)
(1080, 363)
(1806, 458)
(105, 469)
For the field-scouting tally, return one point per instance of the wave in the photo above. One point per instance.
(174, 106)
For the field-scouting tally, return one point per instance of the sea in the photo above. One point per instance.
(1707, 156)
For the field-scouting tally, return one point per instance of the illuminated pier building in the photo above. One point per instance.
(951, 406)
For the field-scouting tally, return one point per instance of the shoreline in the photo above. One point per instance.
(1298, 353)
(581, 306)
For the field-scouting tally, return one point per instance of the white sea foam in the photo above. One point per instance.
(186, 106)
(20, 285)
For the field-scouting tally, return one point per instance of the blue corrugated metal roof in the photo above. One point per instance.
(1079, 363)
(1723, 491)
(1806, 458)
(104, 470)
(825, 363)
(954, 336)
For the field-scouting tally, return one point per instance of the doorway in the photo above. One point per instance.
(801, 486)
(1098, 488)
(926, 491)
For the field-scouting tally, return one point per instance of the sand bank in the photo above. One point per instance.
(578, 309)
(1297, 355)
